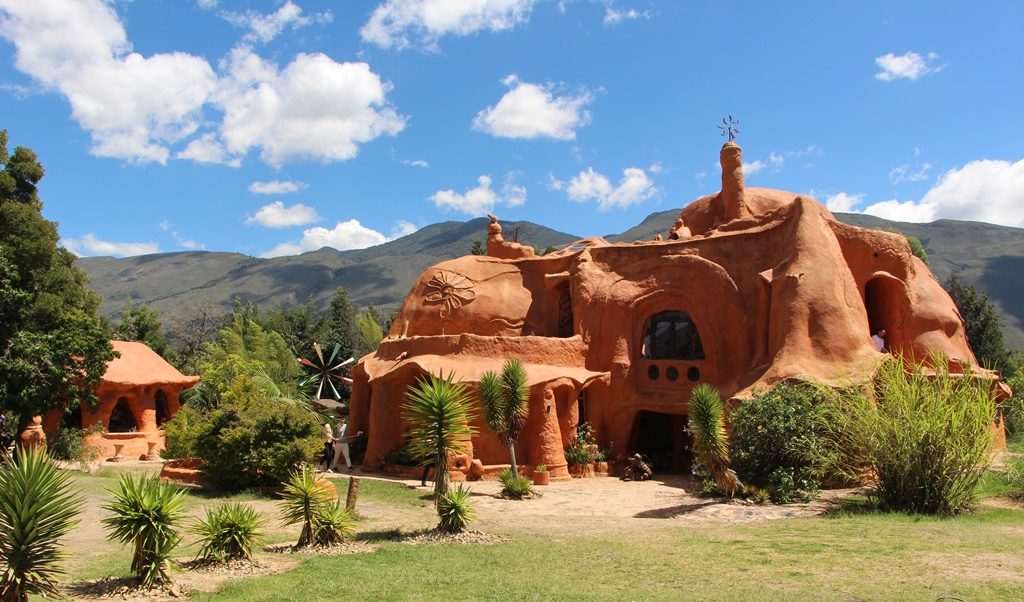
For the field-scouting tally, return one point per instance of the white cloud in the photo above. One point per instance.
(139, 108)
(634, 187)
(264, 28)
(985, 190)
(415, 162)
(909, 66)
(400, 24)
(613, 16)
(776, 159)
(344, 236)
(276, 215)
(207, 4)
(909, 173)
(89, 245)
(187, 243)
(314, 108)
(533, 111)
(276, 187)
(753, 167)
(482, 199)
(843, 202)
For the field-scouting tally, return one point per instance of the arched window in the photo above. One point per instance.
(672, 335)
(121, 418)
(163, 414)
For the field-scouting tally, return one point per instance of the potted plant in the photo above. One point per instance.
(541, 476)
(580, 454)
(601, 462)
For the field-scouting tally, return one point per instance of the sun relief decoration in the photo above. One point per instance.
(451, 289)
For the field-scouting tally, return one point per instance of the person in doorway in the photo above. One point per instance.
(328, 436)
(341, 444)
(879, 339)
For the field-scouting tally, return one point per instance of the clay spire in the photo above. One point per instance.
(732, 196)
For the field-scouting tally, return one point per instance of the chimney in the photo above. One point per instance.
(732, 196)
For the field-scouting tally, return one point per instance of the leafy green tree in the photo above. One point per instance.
(438, 410)
(478, 248)
(300, 325)
(983, 326)
(341, 325)
(917, 248)
(370, 332)
(504, 399)
(140, 323)
(53, 350)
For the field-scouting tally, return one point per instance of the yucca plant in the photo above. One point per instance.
(710, 440)
(513, 485)
(231, 531)
(505, 399)
(454, 510)
(145, 515)
(334, 524)
(37, 508)
(304, 498)
(439, 411)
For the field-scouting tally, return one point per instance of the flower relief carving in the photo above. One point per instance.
(451, 289)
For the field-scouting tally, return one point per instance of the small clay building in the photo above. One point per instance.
(139, 392)
(750, 287)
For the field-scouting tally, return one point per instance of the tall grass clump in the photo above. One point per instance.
(145, 515)
(454, 510)
(514, 487)
(307, 500)
(230, 531)
(926, 436)
(37, 508)
(710, 440)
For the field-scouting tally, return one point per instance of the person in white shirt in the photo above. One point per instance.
(879, 340)
(342, 444)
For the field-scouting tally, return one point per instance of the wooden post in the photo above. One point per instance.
(353, 493)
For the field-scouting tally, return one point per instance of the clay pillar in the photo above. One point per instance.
(549, 442)
(734, 205)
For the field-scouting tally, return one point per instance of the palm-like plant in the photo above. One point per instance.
(230, 532)
(454, 510)
(145, 513)
(439, 411)
(304, 499)
(504, 399)
(710, 441)
(36, 509)
(334, 524)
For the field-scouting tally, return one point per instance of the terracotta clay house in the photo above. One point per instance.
(750, 287)
(139, 392)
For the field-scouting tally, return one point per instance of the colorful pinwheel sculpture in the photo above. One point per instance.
(326, 373)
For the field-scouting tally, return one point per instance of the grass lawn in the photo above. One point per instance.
(851, 554)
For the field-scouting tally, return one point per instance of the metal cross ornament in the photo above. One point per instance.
(729, 127)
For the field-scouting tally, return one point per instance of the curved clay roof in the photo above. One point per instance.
(140, 365)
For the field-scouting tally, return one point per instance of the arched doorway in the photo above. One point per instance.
(885, 298)
(163, 413)
(664, 440)
(121, 418)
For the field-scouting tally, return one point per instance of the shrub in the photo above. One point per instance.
(710, 441)
(334, 524)
(926, 437)
(181, 431)
(37, 508)
(1015, 477)
(230, 532)
(779, 442)
(304, 498)
(68, 444)
(454, 510)
(145, 515)
(580, 451)
(514, 486)
(256, 441)
(1013, 408)
(401, 456)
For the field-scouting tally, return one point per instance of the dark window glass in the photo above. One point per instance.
(672, 335)
(672, 373)
(653, 372)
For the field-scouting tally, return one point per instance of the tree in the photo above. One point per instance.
(983, 326)
(439, 411)
(370, 332)
(190, 331)
(477, 248)
(53, 350)
(299, 324)
(504, 399)
(341, 326)
(140, 323)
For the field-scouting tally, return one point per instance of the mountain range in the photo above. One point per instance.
(988, 256)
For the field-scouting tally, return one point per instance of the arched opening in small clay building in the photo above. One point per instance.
(883, 297)
(672, 335)
(121, 418)
(565, 318)
(163, 413)
(664, 440)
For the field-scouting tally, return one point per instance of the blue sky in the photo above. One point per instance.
(272, 128)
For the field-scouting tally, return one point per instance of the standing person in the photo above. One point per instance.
(879, 339)
(342, 443)
(426, 471)
(328, 436)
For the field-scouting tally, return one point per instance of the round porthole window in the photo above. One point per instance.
(693, 374)
(653, 373)
(672, 373)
